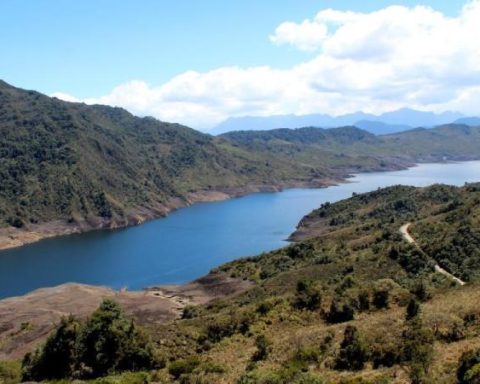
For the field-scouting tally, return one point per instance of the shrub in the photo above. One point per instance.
(364, 301)
(381, 299)
(413, 309)
(264, 307)
(352, 355)
(181, 367)
(340, 314)
(190, 311)
(417, 349)
(307, 296)
(468, 371)
(263, 346)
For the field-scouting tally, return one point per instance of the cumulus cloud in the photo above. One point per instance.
(378, 61)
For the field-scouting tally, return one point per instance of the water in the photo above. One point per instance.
(191, 241)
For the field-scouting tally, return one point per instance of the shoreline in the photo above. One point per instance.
(11, 237)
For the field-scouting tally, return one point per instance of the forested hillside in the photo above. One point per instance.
(96, 166)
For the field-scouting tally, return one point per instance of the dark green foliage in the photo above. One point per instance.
(182, 367)
(386, 354)
(364, 301)
(340, 313)
(421, 291)
(108, 342)
(413, 309)
(307, 296)
(352, 355)
(263, 346)
(468, 371)
(190, 311)
(418, 349)
(381, 299)
(58, 357)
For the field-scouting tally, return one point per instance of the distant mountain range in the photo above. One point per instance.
(390, 122)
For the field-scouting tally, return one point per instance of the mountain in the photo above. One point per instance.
(382, 287)
(379, 128)
(390, 122)
(471, 121)
(354, 150)
(69, 167)
(92, 166)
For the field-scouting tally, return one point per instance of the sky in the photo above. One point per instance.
(201, 62)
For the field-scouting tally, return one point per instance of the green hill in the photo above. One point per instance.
(75, 162)
(351, 301)
(97, 166)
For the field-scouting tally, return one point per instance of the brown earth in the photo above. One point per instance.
(26, 321)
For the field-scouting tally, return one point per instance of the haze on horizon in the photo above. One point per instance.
(328, 57)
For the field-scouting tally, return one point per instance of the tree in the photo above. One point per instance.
(307, 296)
(468, 371)
(340, 313)
(263, 346)
(110, 341)
(413, 309)
(381, 299)
(418, 349)
(106, 343)
(352, 355)
(56, 359)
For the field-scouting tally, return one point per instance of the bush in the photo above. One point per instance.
(418, 349)
(413, 309)
(381, 299)
(352, 355)
(190, 311)
(108, 342)
(307, 296)
(263, 346)
(181, 367)
(364, 301)
(468, 371)
(340, 314)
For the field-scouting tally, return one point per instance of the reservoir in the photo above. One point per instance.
(191, 241)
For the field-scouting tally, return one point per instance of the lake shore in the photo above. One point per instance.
(11, 237)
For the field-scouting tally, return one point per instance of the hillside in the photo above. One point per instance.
(351, 301)
(94, 166)
(353, 149)
(68, 167)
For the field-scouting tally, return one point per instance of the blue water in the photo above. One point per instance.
(191, 241)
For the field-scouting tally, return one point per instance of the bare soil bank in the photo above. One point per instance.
(26, 321)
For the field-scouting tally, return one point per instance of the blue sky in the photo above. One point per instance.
(87, 47)
(199, 62)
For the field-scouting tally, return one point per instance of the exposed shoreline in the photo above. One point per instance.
(11, 237)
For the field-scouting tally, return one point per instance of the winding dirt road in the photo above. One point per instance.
(406, 235)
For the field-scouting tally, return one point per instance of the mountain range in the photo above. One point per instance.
(389, 122)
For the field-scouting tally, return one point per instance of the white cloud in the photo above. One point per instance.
(378, 61)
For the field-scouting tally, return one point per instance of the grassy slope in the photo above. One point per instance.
(348, 248)
(345, 248)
